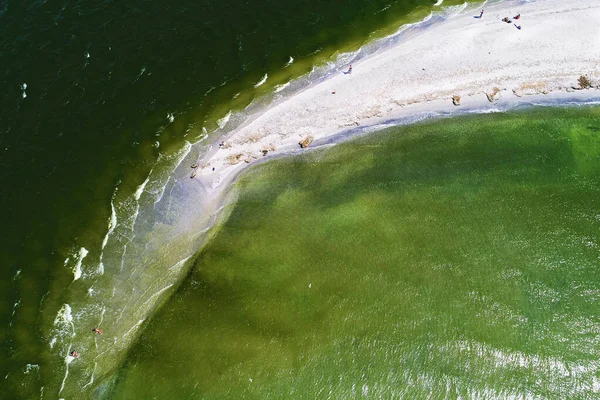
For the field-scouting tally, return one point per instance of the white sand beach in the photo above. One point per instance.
(558, 42)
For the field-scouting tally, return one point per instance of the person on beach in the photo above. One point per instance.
(505, 19)
(97, 331)
(74, 354)
(517, 16)
(481, 14)
(518, 26)
(349, 70)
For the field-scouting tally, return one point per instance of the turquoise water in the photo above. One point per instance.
(101, 101)
(456, 258)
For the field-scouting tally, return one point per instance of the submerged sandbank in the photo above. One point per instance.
(484, 61)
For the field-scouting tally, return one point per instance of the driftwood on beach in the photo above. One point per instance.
(493, 95)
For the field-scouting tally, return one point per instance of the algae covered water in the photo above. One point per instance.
(450, 259)
(100, 102)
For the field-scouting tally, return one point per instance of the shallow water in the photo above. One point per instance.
(101, 101)
(454, 258)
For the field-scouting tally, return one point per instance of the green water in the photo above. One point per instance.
(455, 258)
(101, 77)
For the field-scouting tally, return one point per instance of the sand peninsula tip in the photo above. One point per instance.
(473, 58)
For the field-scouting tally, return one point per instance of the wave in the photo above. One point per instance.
(175, 268)
(83, 252)
(31, 367)
(136, 196)
(14, 278)
(223, 121)
(63, 326)
(112, 222)
(263, 80)
(155, 295)
(136, 264)
(279, 88)
(140, 189)
(161, 192)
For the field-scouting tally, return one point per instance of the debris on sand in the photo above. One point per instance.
(304, 143)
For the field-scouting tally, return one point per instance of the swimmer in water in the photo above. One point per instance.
(97, 330)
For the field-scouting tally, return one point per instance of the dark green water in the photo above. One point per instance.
(452, 259)
(102, 78)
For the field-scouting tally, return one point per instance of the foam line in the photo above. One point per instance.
(262, 81)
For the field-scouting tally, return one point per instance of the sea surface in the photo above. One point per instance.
(102, 106)
(455, 258)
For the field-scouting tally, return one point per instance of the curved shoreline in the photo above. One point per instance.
(419, 74)
(403, 92)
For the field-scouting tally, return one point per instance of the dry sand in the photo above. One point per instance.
(460, 56)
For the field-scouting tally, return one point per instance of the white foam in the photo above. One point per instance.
(170, 117)
(63, 327)
(182, 154)
(92, 377)
(31, 367)
(279, 88)
(290, 61)
(64, 316)
(135, 215)
(102, 315)
(133, 328)
(16, 275)
(438, 3)
(223, 121)
(77, 268)
(177, 267)
(161, 291)
(112, 222)
(263, 80)
(122, 261)
(15, 306)
(67, 362)
(162, 191)
(452, 11)
(140, 189)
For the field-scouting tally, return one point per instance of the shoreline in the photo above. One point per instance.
(383, 90)
(223, 194)
(418, 75)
